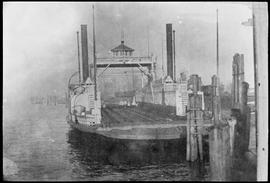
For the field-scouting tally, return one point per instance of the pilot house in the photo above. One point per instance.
(122, 50)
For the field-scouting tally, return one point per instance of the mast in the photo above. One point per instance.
(122, 35)
(148, 41)
(79, 69)
(174, 70)
(162, 58)
(217, 91)
(217, 98)
(217, 48)
(94, 55)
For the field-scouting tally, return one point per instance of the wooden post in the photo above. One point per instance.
(260, 33)
(242, 115)
(232, 123)
(219, 140)
(238, 78)
(200, 124)
(215, 101)
(163, 95)
(188, 137)
(240, 110)
(194, 122)
(245, 110)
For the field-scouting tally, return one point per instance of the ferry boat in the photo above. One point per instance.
(87, 113)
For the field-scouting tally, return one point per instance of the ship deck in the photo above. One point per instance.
(140, 123)
(115, 116)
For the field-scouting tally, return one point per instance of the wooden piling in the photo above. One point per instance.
(238, 78)
(240, 109)
(216, 107)
(245, 110)
(194, 122)
(220, 152)
(229, 139)
(219, 140)
(188, 138)
(241, 112)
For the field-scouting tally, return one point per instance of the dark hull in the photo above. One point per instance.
(96, 147)
(139, 132)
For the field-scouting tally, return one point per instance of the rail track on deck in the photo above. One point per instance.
(115, 116)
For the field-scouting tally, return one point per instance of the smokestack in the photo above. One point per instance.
(85, 69)
(79, 62)
(174, 69)
(169, 50)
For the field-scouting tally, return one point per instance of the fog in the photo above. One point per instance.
(40, 46)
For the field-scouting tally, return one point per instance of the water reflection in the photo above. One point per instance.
(96, 148)
(75, 156)
(106, 159)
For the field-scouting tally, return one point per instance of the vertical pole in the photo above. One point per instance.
(214, 140)
(217, 49)
(233, 83)
(174, 69)
(162, 60)
(152, 92)
(94, 55)
(215, 101)
(188, 137)
(142, 80)
(255, 76)
(194, 122)
(200, 123)
(245, 110)
(217, 98)
(194, 135)
(162, 79)
(133, 80)
(148, 41)
(261, 26)
(79, 57)
(150, 78)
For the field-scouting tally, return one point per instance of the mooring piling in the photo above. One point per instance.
(195, 121)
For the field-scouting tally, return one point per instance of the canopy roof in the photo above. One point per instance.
(122, 47)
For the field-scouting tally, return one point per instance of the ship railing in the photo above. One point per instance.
(106, 59)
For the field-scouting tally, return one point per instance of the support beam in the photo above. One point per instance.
(260, 15)
(104, 70)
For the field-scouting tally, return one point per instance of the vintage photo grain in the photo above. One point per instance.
(135, 91)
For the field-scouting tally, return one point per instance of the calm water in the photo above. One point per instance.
(38, 144)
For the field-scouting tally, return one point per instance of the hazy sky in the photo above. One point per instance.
(40, 48)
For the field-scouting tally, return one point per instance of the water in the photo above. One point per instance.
(38, 144)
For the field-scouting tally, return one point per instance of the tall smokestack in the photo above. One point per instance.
(85, 69)
(174, 68)
(169, 50)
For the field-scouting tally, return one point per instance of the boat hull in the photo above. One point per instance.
(168, 143)
(136, 132)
